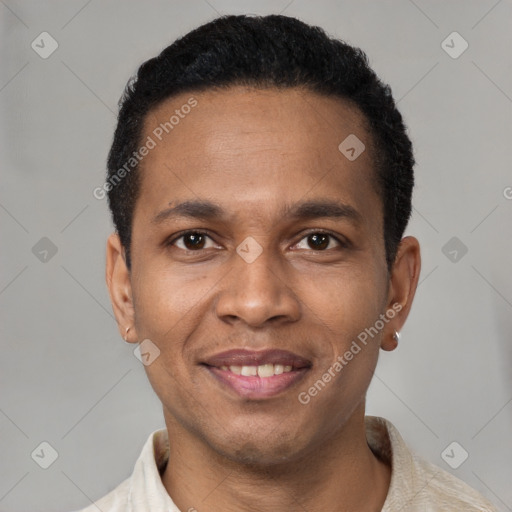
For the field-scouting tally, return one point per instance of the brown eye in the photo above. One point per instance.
(192, 241)
(318, 241)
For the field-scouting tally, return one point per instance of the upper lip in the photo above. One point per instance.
(244, 357)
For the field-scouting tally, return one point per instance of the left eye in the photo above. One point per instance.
(318, 241)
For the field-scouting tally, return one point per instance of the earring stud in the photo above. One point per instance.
(126, 333)
(396, 336)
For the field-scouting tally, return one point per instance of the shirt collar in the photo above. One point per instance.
(147, 491)
(387, 444)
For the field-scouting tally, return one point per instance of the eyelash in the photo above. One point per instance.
(342, 244)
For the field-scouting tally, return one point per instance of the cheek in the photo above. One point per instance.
(343, 308)
(345, 302)
(169, 306)
(166, 300)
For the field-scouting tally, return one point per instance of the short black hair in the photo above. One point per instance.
(261, 52)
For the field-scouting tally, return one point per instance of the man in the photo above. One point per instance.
(260, 182)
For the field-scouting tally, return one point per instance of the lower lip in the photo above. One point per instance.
(255, 387)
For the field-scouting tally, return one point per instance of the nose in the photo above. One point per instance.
(257, 292)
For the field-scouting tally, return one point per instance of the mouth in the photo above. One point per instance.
(257, 375)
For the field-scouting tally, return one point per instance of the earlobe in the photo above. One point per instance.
(389, 343)
(403, 284)
(126, 331)
(118, 281)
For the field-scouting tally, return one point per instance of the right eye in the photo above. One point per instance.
(192, 241)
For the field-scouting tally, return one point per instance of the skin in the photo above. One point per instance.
(251, 151)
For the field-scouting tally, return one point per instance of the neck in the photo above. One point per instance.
(340, 474)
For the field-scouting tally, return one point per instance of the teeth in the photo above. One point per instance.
(249, 371)
(264, 370)
(236, 369)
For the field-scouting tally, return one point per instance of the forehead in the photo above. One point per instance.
(250, 146)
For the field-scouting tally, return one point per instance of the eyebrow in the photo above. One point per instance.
(307, 210)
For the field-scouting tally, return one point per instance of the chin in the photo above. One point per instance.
(259, 457)
(259, 451)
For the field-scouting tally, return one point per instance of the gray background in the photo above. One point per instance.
(67, 378)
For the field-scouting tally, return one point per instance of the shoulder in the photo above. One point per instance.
(416, 484)
(114, 501)
(447, 492)
(144, 484)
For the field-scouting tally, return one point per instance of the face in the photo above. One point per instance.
(257, 261)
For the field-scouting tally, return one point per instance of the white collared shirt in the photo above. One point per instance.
(416, 485)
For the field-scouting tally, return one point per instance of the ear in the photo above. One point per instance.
(402, 287)
(119, 286)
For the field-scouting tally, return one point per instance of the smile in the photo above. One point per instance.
(255, 386)
(257, 375)
(263, 370)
